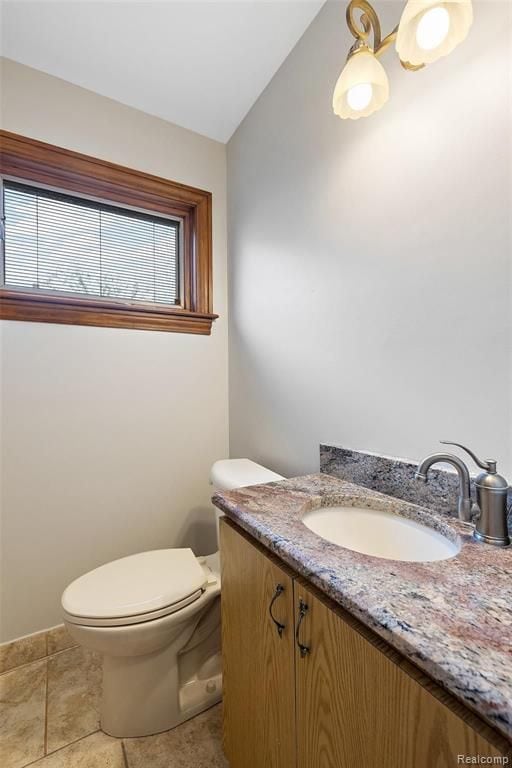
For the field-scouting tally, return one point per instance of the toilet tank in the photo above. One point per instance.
(227, 474)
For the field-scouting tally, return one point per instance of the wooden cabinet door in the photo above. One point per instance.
(356, 708)
(258, 661)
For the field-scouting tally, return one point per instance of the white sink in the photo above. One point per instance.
(380, 533)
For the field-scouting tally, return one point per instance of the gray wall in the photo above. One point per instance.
(370, 261)
(107, 435)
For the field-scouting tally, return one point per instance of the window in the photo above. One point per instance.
(60, 243)
(88, 242)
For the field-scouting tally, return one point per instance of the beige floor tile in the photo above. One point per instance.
(22, 708)
(195, 744)
(22, 651)
(74, 689)
(96, 751)
(58, 639)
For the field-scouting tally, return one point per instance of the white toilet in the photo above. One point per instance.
(155, 617)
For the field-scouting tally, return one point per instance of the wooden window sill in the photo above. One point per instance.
(71, 310)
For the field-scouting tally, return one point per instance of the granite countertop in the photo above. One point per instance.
(452, 618)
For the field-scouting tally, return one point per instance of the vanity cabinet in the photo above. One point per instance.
(324, 691)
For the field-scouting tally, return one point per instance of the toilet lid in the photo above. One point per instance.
(227, 474)
(135, 585)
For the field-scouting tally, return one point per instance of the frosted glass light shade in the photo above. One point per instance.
(362, 87)
(430, 29)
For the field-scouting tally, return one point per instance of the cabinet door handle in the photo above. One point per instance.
(303, 609)
(280, 627)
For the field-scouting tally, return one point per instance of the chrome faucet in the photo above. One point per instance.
(489, 514)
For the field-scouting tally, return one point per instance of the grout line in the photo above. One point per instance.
(63, 650)
(75, 741)
(45, 747)
(125, 757)
(65, 746)
(39, 659)
(24, 666)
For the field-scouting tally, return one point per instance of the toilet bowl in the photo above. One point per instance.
(155, 618)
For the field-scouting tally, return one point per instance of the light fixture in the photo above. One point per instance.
(428, 30)
(362, 87)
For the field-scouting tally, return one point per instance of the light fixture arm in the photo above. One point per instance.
(368, 23)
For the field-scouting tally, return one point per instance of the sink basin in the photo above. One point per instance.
(380, 533)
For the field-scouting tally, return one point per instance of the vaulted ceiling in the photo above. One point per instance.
(201, 65)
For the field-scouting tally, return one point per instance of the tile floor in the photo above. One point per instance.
(195, 744)
(49, 702)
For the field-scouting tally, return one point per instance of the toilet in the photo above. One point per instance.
(155, 618)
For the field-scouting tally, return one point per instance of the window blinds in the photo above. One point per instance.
(61, 243)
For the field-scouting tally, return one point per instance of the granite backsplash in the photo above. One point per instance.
(395, 477)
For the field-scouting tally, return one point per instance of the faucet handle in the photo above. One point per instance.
(489, 465)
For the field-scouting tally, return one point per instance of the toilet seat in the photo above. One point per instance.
(137, 588)
(128, 620)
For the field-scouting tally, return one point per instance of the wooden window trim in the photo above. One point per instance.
(30, 160)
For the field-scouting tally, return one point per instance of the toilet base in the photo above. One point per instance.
(141, 694)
